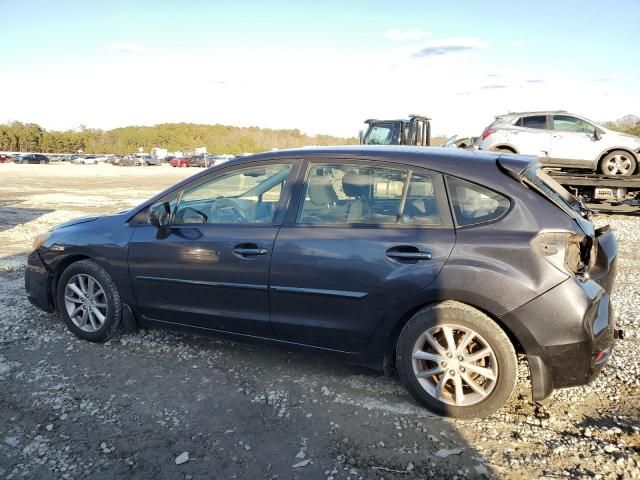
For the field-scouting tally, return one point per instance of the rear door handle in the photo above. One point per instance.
(248, 250)
(407, 253)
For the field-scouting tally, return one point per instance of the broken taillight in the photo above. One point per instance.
(568, 252)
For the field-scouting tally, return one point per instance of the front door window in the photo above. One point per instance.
(249, 195)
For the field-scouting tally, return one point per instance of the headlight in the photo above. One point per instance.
(40, 239)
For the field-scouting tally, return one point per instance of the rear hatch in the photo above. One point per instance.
(598, 249)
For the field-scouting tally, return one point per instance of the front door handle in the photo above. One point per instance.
(248, 250)
(407, 253)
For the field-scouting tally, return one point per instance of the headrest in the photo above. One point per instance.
(321, 191)
(355, 185)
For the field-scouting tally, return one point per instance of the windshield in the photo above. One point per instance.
(380, 134)
(543, 183)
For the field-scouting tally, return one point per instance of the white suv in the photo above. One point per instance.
(562, 139)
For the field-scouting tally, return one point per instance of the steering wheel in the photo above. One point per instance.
(223, 206)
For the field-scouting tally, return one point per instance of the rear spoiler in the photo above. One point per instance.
(515, 165)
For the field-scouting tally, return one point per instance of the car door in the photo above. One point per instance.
(531, 136)
(209, 267)
(573, 141)
(363, 236)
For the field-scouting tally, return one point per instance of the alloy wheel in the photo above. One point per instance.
(86, 302)
(618, 165)
(455, 365)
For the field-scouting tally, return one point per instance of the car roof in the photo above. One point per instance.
(539, 112)
(444, 160)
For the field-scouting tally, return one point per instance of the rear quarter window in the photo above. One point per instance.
(473, 204)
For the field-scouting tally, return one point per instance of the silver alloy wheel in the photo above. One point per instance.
(86, 302)
(619, 164)
(455, 365)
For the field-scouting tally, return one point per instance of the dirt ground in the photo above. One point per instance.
(132, 407)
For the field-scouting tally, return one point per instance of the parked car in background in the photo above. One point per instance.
(114, 159)
(5, 158)
(146, 160)
(562, 139)
(379, 255)
(31, 158)
(139, 161)
(179, 162)
(199, 161)
(84, 160)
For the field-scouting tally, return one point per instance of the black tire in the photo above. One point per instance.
(464, 316)
(113, 317)
(605, 162)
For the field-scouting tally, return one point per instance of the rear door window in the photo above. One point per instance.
(473, 204)
(366, 194)
(533, 121)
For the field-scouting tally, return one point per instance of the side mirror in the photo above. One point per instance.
(159, 214)
(596, 135)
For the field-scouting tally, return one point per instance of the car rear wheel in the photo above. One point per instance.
(456, 361)
(89, 302)
(618, 162)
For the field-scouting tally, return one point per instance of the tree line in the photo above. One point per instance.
(628, 124)
(185, 137)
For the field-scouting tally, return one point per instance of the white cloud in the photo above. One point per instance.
(450, 45)
(123, 47)
(403, 35)
(517, 44)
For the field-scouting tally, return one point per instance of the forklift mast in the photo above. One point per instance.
(414, 131)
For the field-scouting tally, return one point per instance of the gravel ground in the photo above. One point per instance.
(156, 404)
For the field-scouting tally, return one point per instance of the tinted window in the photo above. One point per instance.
(535, 121)
(361, 194)
(567, 123)
(473, 204)
(249, 195)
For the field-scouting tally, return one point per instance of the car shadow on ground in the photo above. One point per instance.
(11, 217)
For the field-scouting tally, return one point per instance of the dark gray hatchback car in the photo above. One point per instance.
(442, 263)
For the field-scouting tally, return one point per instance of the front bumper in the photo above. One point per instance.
(37, 282)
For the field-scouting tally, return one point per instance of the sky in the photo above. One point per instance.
(321, 67)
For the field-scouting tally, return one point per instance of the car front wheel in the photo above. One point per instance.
(89, 302)
(456, 361)
(618, 162)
